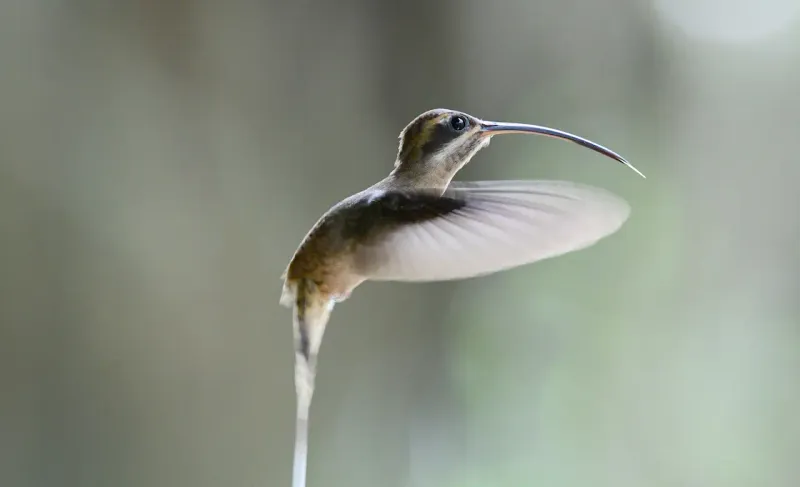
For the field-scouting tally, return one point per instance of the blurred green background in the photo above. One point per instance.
(161, 160)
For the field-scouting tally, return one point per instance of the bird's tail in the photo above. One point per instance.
(311, 312)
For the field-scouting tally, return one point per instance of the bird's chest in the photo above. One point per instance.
(326, 255)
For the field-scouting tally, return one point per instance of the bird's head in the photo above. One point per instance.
(442, 141)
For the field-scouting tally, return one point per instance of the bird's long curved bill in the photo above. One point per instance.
(496, 128)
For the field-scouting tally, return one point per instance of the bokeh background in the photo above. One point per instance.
(161, 160)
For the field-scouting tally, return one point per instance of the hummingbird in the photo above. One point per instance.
(418, 225)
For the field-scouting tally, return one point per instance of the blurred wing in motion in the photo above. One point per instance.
(477, 228)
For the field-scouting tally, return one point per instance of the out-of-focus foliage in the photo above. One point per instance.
(160, 161)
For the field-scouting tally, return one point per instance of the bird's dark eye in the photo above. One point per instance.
(458, 123)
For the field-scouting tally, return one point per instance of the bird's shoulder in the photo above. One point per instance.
(378, 209)
(365, 216)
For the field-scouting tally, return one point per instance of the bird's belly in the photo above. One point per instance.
(330, 267)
